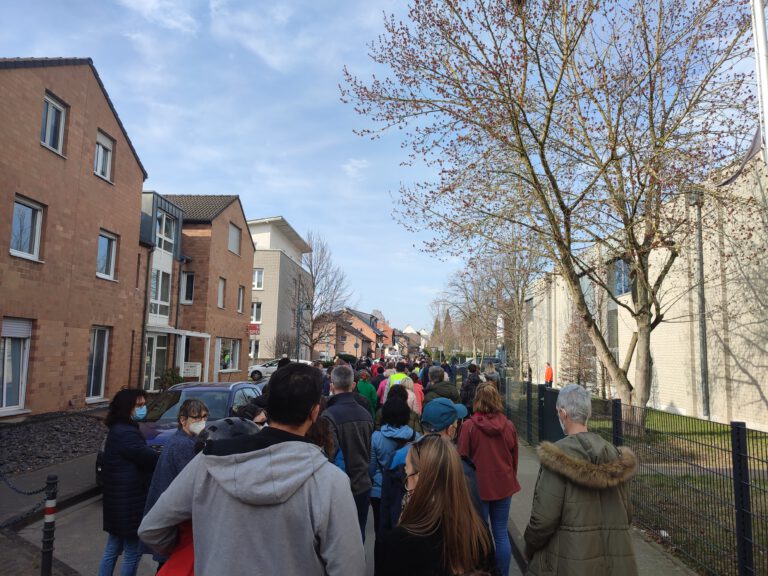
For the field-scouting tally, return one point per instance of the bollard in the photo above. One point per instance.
(49, 525)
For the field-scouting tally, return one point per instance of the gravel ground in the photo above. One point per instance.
(48, 439)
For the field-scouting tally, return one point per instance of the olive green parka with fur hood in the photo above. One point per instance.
(580, 521)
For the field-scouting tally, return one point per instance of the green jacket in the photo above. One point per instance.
(366, 389)
(580, 521)
(442, 390)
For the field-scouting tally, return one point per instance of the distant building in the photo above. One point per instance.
(341, 337)
(278, 280)
(71, 282)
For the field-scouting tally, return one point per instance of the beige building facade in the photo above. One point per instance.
(278, 280)
(735, 288)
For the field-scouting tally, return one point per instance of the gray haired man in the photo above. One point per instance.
(352, 427)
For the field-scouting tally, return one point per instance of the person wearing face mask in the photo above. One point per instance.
(275, 486)
(127, 471)
(581, 514)
(177, 452)
(490, 440)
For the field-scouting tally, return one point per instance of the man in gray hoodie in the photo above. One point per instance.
(270, 503)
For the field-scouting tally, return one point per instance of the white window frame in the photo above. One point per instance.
(234, 356)
(186, 297)
(14, 329)
(46, 128)
(37, 232)
(92, 367)
(253, 349)
(234, 247)
(156, 301)
(240, 299)
(102, 161)
(221, 299)
(112, 251)
(254, 307)
(258, 278)
(163, 241)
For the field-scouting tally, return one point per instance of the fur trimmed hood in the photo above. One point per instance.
(588, 460)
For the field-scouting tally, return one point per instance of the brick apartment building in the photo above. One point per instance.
(337, 336)
(215, 289)
(71, 288)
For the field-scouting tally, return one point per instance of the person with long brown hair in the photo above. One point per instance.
(489, 439)
(439, 533)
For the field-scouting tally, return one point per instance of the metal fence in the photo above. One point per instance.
(701, 487)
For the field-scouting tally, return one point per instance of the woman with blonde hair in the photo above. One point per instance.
(489, 439)
(413, 400)
(439, 532)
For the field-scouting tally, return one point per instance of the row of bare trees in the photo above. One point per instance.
(580, 122)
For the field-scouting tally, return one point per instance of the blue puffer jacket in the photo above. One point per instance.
(128, 467)
(384, 444)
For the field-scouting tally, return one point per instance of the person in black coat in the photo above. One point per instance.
(127, 472)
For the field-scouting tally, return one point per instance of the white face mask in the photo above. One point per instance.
(197, 427)
(562, 422)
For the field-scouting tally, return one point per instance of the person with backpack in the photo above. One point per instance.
(469, 386)
(394, 434)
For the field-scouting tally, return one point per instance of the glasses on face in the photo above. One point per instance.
(199, 417)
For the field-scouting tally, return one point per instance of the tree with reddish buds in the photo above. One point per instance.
(580, 122)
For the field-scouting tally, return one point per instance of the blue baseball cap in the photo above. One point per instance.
(441, 413)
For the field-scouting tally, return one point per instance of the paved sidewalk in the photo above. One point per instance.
(76, 477)
(652, 559)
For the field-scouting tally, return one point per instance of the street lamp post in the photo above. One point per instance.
(301, 307)
(696, 198)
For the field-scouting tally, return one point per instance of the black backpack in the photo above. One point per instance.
(393, 491)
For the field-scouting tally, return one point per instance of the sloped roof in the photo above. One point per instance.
(10, 63)
(366, 318)
(201, 208)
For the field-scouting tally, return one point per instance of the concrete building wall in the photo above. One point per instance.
(60, 291)
(736, 281)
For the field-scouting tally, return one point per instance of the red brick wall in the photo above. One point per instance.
(62, 294)
(211, 260)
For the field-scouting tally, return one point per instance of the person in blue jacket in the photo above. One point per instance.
(178, 450)
(393, 435)
(127, 471)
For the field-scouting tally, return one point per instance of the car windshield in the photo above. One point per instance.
(165, 405)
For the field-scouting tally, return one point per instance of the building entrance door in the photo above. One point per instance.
(155, 362)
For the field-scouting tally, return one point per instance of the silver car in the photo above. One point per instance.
(265, 369)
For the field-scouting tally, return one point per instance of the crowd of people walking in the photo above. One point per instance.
(286, 485)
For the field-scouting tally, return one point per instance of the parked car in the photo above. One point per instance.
(221, 398)
(266, 369)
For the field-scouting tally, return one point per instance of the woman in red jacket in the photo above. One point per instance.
(490, 441)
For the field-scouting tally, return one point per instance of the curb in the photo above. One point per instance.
(518, 547)
(24, 519)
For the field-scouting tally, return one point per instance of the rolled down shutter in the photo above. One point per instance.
(17, 328)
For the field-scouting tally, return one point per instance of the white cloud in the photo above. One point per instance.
(354, 168)
(170, 14)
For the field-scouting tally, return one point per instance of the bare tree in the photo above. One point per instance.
(581, 121)
(281, 344)
(577, 356)
(326, 292)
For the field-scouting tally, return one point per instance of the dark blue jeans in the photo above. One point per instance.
(362, 501)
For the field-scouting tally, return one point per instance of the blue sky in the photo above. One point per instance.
(241, 97)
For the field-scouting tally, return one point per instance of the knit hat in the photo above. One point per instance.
(440, 413)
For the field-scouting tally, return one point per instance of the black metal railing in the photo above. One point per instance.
(701, 486)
